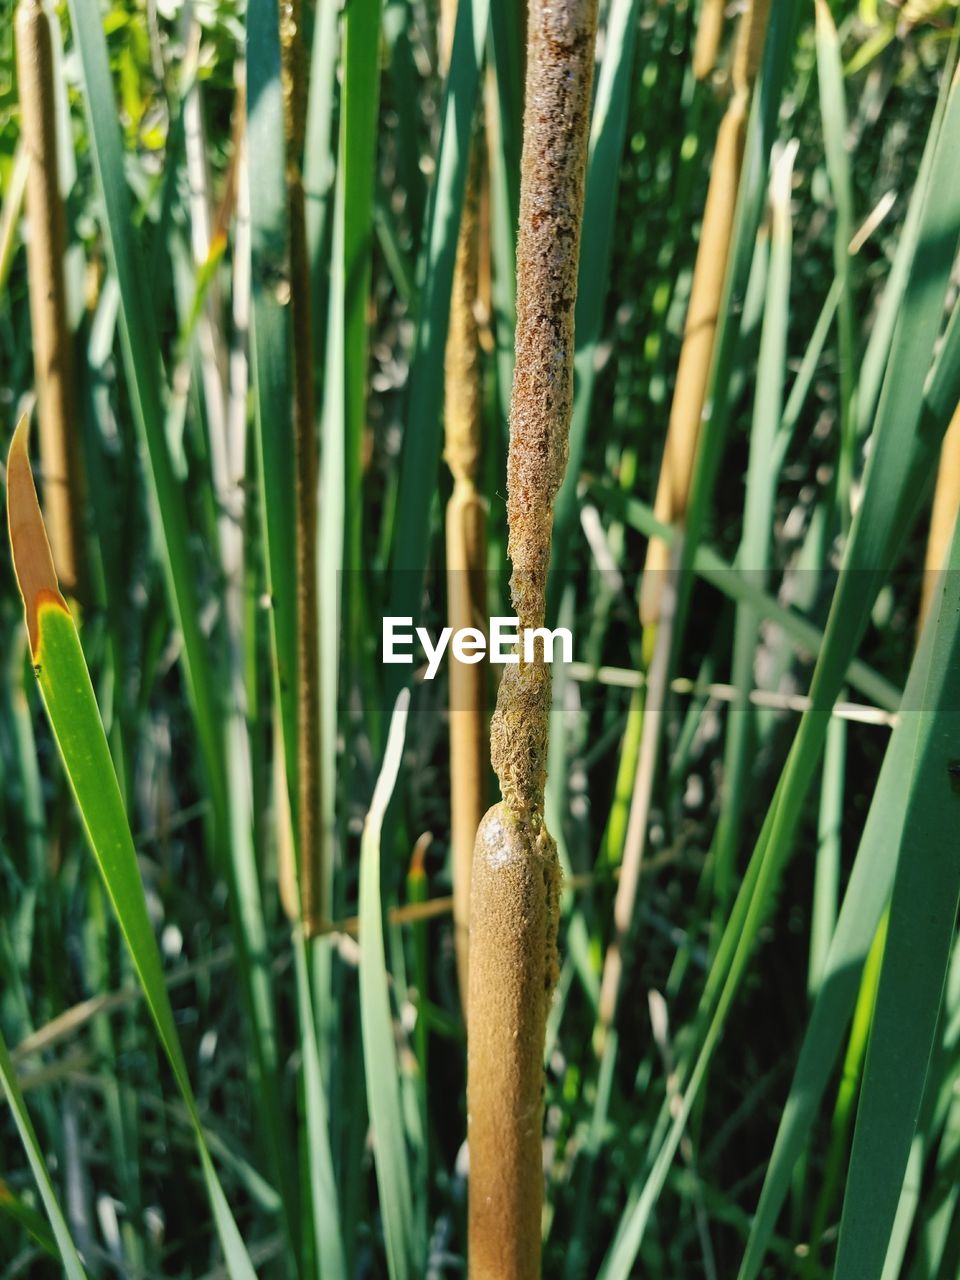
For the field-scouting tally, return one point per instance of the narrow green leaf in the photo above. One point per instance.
(72, 1266)
(380, 1061)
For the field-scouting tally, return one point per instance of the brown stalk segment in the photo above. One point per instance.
(709, 34)
(943, 515)
(305, 484)
(466, 545)
(516, 875)
(693, 369)
(706, 295)
(52, 344)
(749, 50)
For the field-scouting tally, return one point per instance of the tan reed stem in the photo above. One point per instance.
(52, 342)
(309, 850)
(709, 34)
(703, 310)
(466, 547)
(516, 874)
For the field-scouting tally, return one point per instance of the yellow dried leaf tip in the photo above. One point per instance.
(29, 545)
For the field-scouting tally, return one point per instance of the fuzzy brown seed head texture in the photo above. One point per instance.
(516, 876)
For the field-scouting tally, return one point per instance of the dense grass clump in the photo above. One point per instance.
(636, 319)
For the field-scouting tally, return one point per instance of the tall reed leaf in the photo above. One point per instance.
(75, 720)
(140, 344)
(920, 935)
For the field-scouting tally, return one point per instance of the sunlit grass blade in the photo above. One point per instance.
(72, 1266)
(141, 349)
(379, 1050)
(926, 891)
(75, 720)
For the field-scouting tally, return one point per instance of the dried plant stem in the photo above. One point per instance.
(709, 33)
(943, 516)
(466, 547)
(693, 369)
(309, 845)
(52, 345)
(516, 875)
(703, 310)
(676, 474)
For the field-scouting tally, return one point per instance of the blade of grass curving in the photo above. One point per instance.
(421, 440)
(381, 1066)
(869, 887)
(140, 344)
(75, 720)
(72, 1266)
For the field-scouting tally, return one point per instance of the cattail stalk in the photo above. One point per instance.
(52, 344)
(466, 547)
(709, 33)
(309, 844)
(516, 876)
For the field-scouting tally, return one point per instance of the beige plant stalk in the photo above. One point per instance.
(52, 343)
(309, 843)
(703, 309)
(516, 874)
(943, 515)
(466, 548)
(709, 34)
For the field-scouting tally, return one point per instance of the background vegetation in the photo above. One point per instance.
(775, 1091)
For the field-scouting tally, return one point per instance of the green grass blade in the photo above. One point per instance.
(72, 1266)
(833, 113)
(421, 441)
(71, 707)
(380, 1061)
(323, 1188)
(754, 554)
(269, 358)
(926, 892)
(141, 348)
